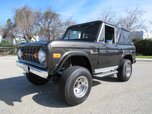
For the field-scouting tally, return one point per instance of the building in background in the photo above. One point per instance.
(141, 35)
(147, 35)
(19, 39)
(137, 35)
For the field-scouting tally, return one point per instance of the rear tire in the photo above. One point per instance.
(125, 70)
(36, 80)
(75, 85)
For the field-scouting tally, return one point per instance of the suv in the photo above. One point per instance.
(93, 49)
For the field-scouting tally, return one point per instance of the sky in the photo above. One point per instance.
(78, 10)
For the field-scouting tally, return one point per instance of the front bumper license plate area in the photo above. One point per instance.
(38, 72)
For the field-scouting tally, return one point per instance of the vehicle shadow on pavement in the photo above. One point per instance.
(95, 82)
(15, 89)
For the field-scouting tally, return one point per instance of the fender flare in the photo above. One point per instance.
(66, 56)
(124, 55)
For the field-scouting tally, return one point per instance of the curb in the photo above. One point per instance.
(141, 59)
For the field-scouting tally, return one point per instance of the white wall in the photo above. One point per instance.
(147, 35)
(0, 38)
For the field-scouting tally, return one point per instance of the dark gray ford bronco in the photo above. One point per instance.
(87, 50)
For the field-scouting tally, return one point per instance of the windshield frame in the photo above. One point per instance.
(81, 25)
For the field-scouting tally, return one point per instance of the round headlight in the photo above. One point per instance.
(41, 56)
(20, 53)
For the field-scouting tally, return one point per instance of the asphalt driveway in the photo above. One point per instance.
(108, 95)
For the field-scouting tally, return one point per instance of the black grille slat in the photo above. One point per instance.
(28, 53)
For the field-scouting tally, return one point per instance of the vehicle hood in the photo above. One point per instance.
(38, 43)
(73, 44)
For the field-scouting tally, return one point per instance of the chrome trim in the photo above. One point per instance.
(80, 86)
(106, 73)
(128, 70)
(107, 69)
(115, 35)
(101, 29)
(39, 72)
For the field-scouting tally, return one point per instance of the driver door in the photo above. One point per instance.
(108, 50)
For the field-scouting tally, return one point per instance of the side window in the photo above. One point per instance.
(109, 35)
(75, 34)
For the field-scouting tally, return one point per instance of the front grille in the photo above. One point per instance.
(31, 53)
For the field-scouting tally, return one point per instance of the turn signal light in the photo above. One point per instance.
(56, 55)
(36, 55)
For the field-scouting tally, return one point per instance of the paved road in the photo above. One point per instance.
(108, 95)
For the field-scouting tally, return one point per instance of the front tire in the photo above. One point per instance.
(36, 80)
(75, 85)
(125, 70)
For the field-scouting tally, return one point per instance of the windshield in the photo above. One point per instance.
(86, 32)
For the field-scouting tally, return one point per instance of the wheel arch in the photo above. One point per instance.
(82, 57)
(129, 57)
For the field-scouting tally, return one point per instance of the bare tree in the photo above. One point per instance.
(108, 16)
(25, 19)
(67, 23)
(133, 20)
(49, 24)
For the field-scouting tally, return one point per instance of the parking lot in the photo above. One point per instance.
(108, 95)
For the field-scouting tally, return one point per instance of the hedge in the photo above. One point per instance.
(5, 43)
(6, 48)
(143, 47)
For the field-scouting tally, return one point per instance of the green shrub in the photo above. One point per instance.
(6, 48)
(5, 43)
(143, 47)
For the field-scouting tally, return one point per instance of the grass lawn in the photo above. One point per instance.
(146, 57)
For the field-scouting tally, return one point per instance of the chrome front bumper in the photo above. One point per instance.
(26, 68)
